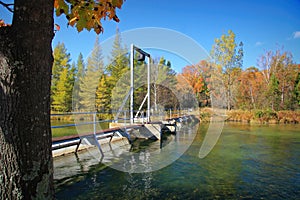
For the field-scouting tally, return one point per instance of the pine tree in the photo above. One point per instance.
(297, 90)
(78, 78)
(103, 97)
(61, 67)
(164, 81)
(60, 95)
(119, 61)
(273, 93)
(117, 79)
(61, 60)
(80, 66)
(90, 80)
(71, 84)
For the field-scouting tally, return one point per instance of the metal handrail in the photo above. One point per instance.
(91, 122)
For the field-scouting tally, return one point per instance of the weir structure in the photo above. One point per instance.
(142, 56)
(146, 129)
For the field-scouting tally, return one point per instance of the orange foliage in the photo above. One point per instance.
(195, 79)
(3, 24)
(88, 14)
(251, 86)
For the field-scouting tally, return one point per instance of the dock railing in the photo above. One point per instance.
(87, 126)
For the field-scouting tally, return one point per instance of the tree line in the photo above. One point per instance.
(273, 84)
(94, 86)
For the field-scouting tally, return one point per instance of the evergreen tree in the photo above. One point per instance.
(61, 60)
(297, 90)
(61, 67)
(60, 96)
(78, 78)
(164, 83)
(102, 97)
(80, 66)
(71, 84)
(273, 93)
(116, 70)
(119, 61)
(90, 80)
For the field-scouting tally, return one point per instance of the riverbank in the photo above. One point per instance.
(255, 116)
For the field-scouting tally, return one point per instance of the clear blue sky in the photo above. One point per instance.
(260, 24)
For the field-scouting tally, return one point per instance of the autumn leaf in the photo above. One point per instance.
(3, 24)
(57, 27)
(88, 14)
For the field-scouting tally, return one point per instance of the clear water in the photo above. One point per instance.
(248, 162)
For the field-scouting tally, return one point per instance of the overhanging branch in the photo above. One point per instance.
(7, 6)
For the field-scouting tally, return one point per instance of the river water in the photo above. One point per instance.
(247, 162)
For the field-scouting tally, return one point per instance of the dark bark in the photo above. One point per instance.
(26, 170)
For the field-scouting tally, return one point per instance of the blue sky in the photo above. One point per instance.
(260, 24)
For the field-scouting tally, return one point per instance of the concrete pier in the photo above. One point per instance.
(117, 134)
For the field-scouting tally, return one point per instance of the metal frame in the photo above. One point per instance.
(145, 54)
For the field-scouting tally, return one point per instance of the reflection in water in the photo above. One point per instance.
(248, 162)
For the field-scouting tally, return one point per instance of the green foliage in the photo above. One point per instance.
(78, 79)
(227, 61)
(61, 60)
(273, 93)
(90, 80)
(87, 14)
(119, 61)
(265, 115)
(297, 89)
(117, 79)
(103, 96)
(63, 78)
(164, 82)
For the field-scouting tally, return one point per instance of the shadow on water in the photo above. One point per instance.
(248, 162)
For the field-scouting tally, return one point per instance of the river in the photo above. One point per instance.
(247, 162)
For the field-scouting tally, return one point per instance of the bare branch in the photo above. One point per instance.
(7, 6)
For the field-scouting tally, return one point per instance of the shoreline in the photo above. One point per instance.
(254, 116)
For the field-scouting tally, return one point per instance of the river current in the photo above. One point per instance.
(247, 162)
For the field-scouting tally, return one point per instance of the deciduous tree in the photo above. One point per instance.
(26, 169)
(250, 89)
(227, 58)
(279, 64)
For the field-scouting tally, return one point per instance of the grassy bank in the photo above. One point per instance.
(72, 130)
(255, 116)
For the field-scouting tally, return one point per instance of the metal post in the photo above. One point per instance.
(125, 120)
(94, 124)
(148, 80)
(131, 82)
(95, 136)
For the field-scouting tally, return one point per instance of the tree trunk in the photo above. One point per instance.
(26, 169)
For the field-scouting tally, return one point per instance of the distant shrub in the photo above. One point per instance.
(205, 114)
(266, 115)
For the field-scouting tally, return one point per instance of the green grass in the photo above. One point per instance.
(60, 132)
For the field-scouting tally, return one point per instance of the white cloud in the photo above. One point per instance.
(257, 44)
(296, 35)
